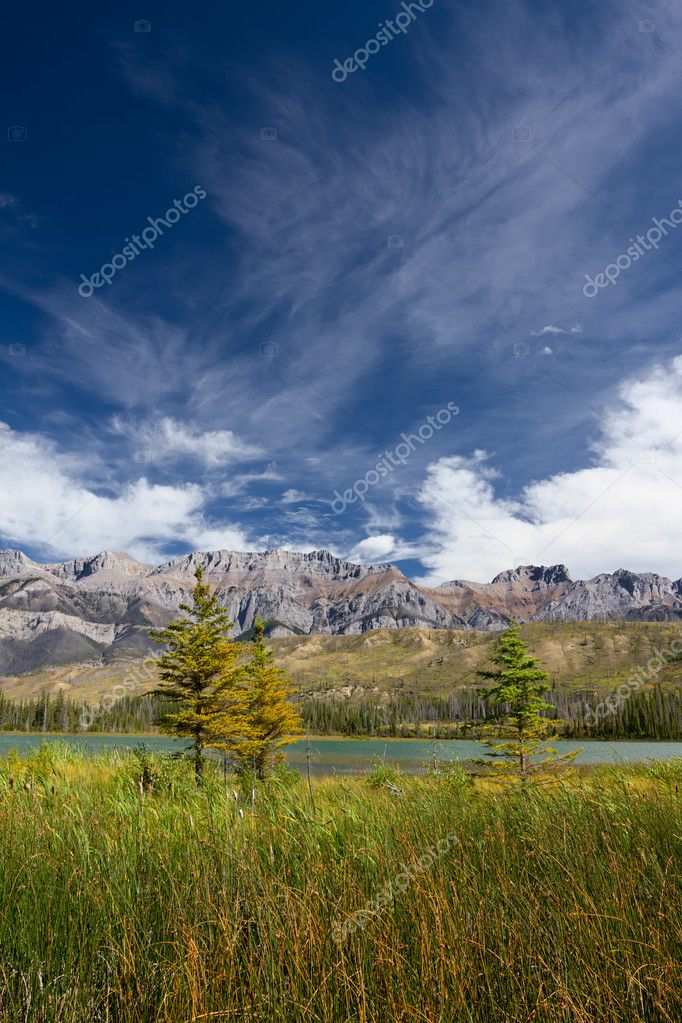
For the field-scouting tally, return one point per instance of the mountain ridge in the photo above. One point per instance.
(102, 606)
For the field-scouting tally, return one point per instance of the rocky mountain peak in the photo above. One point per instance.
(14, 562)
(112, 562)
(279, 563)
(540, 575)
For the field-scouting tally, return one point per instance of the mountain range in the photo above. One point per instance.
(100, 608)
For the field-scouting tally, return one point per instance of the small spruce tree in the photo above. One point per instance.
(258, 718)
(518, 699)
(199, 663)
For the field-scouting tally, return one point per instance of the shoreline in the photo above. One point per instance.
(331, 738)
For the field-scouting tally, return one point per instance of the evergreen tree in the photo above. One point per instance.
(258, 717)
(518, 699)
(199, 662)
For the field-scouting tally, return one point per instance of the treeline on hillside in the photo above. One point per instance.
(399, 715)
(655, 713)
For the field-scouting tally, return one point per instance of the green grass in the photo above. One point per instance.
(560, 902)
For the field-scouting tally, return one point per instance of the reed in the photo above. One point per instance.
(131, 895)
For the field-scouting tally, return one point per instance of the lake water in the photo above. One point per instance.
(350, 756)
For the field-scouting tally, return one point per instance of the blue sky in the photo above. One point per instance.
(368, 252)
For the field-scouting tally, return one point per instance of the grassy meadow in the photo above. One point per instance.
(131, 895)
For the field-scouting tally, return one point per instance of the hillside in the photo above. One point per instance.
(579, 656)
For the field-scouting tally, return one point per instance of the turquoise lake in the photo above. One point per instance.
(351, 756)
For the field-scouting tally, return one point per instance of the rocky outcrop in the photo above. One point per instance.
(13, 563)
(108, 561)
(621, 595)
(30, 640)
(102, 607)
(519, 593)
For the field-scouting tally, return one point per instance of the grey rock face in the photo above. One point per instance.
(533, 577)
(296, 594)
(103, 606)
(519, 594)
(108, 561)
(622, 595)
(487, 619)
(14, 563)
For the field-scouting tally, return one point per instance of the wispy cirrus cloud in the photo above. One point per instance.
(166, 439)
(556, 331)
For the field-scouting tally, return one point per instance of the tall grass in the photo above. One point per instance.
(121, 902)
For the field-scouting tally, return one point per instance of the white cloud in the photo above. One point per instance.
(241, 482)
(547, 350)
(293, 496)
(624, 510)
(550, 329)
(43, 502)
(301, 518)
(6, 200)
(381, 517)
(253, 503)
(167, 438)
(374, 548)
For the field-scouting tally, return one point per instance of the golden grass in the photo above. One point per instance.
(555, 902)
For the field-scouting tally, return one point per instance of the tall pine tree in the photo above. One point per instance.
(258, 717)
(518, 699)
(198, 665)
